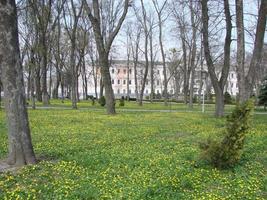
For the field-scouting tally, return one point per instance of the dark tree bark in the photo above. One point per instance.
(103, 48)
(20, 145)
(218, 84)
(257, 51)
(0, 94)
(240, 50)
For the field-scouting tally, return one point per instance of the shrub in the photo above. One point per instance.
(263, 94)
(122, 103)
(227, 153)
(227, 98)
(93, 101)
(102, 101)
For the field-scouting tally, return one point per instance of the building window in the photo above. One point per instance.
(130, 82)
(130, 71)
(118, 91)
(124, 71)
(124, 82)
(112, 71)
(119, 71)
(146, 91)
(146, 82)
(158, 72)
(171, 91)
(157, 91)
(130, 91)
(124, 91)
(141, 71)
(119, 81)
(157, 82)
(232, 75)
(112, 81)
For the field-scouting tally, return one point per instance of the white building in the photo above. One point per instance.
(119, 73)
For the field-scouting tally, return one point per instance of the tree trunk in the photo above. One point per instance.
(191, 92)
(193, 54)
(55, 90)
(29, 83)
(109, 95)
(0, 95)
(128, 74)
(185, 86)
(240, 51)
(74, 74)
(151, 67)
(45, 96)
(20, 145)
(218, 85)
(219, 102)
(38, 89)
(257, 51)
(101, 92)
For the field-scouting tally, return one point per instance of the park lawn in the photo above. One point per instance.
(87, 154)
(173, 106)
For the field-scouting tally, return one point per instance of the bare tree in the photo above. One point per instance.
(71, 28)
(159, 10)
(20, 145)
(104, 45)
(218, 84)
(144, 23)
(135, 44)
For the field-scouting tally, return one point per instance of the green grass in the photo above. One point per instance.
(134, 105)
(87, 154)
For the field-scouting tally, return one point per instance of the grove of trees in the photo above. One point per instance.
(45, 39)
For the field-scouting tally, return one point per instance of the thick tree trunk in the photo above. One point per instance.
(257, 51)
(219, 102)
(20, 145)
(109, 95)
